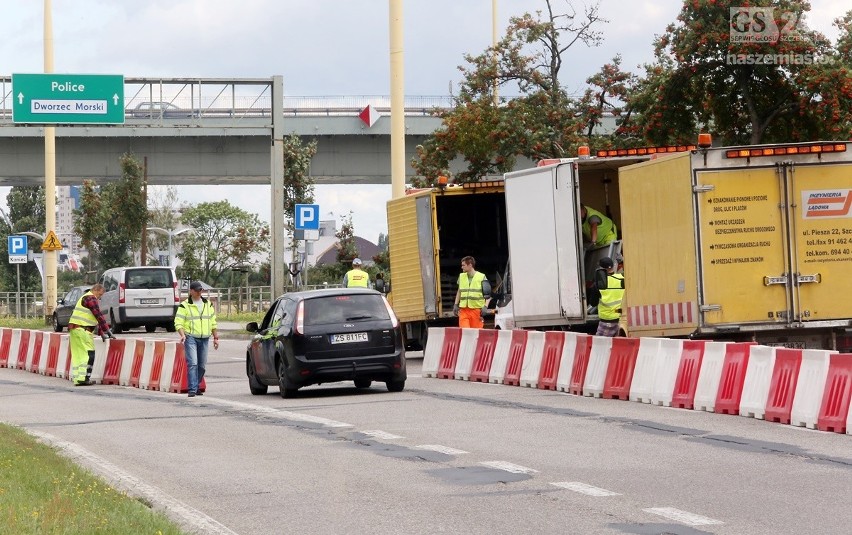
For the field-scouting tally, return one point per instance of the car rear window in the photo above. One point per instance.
(343, 308)
(148, 279)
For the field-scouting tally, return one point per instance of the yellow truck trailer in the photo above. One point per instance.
(429, 232)
(741, 243)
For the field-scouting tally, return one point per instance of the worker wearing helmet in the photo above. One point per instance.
(356, 277)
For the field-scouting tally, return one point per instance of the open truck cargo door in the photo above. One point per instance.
(543, 231)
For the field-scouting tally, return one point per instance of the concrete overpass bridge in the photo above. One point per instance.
(215, 131)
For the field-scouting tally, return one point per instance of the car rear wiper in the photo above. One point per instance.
(352, 318)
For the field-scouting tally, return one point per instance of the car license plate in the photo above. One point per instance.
(348, 338)
(149, 301)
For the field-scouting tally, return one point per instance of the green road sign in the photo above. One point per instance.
(68, 98)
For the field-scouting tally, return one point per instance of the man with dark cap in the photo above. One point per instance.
(195, 321)
(612, 294)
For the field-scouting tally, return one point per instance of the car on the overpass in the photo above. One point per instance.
(161, 109)
(323, 336)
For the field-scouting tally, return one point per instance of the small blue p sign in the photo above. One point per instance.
(307, 216)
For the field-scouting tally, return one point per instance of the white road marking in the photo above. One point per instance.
(182, 513)
(582, 488)
(441, 449)
(384, 435)
(509, 467)
(276, 413)
(684, 517)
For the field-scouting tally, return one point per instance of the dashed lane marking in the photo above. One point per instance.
(441, 449)
(383, 435)
(509, 467)
(684, 517)
(192, 518)
(276, 413)
(582, 488)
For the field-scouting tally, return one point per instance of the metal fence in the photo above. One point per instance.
(226, 301)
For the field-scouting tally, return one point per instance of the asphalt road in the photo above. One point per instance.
(441, 457)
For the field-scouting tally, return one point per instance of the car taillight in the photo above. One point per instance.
(121, 292)
(300, 318)
(394, 321)
(177, 292)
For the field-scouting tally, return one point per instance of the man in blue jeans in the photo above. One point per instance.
(195, 321)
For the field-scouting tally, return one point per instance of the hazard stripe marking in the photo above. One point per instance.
(684, 517)
(509, 467)
(582, 488)
(441, 449)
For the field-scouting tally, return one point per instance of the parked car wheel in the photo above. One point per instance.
(56, 326)
(170, 327)
(288, 390)
(256, 387)
(150, 328)
(116, 327)
(395, 386)
(363, 383)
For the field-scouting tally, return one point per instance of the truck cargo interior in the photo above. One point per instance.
(471, 225)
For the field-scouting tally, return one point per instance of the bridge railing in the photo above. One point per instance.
(175, 98)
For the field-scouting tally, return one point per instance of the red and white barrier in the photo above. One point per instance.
(551, 355)
(501, 357)
(782, 387)
(531, 367)
(644, 373)
(20, 350)
(758, 379)
(5, 343)
(622, 365)
(709, 376)
(34, 356)
(484, 355)
(467, 349)
(668, 364)
(593, 384)
(566, 362)
(517, 351)
(432, 352)
(810, 388)
(63, 360)
(834, 408)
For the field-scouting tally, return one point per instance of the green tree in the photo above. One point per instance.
(225, 236)
(542, 122)
(110, 218)
(298, 184)
(347, 249)
(703, 78)
(608, 93)
(26, 211)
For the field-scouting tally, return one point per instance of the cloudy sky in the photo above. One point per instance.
(320, 47)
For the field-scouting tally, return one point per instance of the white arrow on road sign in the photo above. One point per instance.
(20, 98)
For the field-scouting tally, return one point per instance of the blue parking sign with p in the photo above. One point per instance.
(307, 217)
(18, 245)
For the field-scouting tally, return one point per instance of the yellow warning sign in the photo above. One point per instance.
(51, 242)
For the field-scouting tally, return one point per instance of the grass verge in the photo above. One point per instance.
(36, 324)
(43, 492)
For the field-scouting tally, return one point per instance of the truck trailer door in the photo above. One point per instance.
(542, 231)
(821, 211)
(742, 246)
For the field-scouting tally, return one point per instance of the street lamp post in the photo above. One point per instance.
(44, 295)
(171, 234)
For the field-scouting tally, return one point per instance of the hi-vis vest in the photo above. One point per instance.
(356, 278)
(607, 232)
(470, 295)
(609, 307)
(82, 316)
(193, 323)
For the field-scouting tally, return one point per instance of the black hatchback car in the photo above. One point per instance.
(323, 336)
(65, 307)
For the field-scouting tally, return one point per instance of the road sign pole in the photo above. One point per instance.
(18, 295)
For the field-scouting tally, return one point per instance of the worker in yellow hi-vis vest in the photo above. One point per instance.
(85, 320)
(474, 291)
